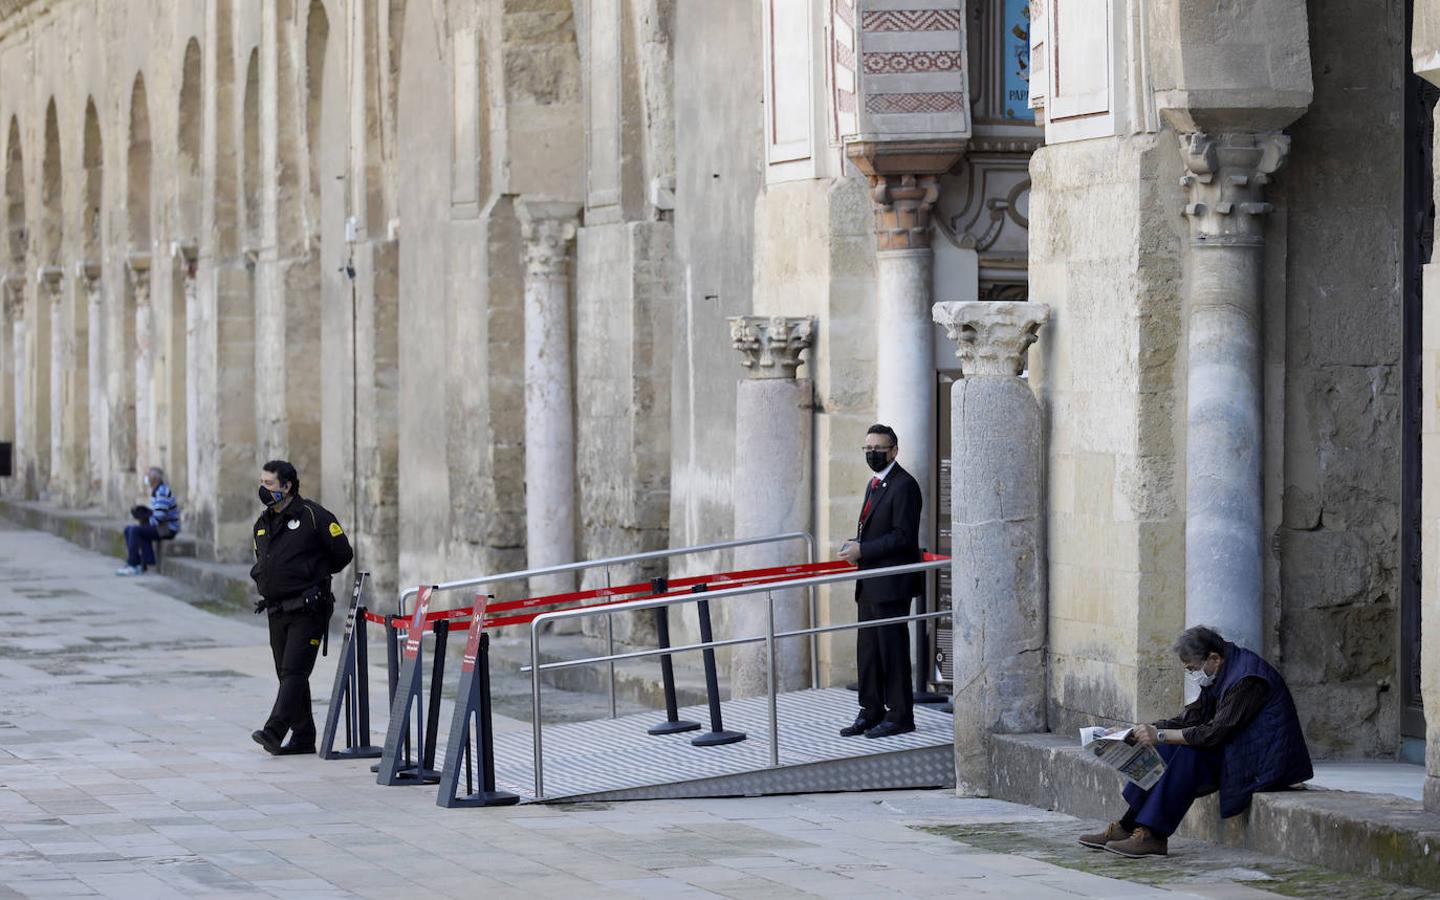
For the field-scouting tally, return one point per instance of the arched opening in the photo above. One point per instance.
(45, 346)
(250, 189)
(17, 244)
(87, 396)
(376, 138)
(317, 40)
(189, 120)
(146, 341)
(299, 264)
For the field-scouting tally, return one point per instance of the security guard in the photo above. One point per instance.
(298, 546)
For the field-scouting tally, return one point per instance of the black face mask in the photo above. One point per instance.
(269, 497)
(877, 460)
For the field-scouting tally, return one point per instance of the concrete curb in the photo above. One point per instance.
(1379, 835)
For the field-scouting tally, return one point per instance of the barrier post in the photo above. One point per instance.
(923, 660)
(673, 724)
(408, 700)
(717, 734)
(472, 700)
(437, 680)
(350, 693)
(392, 672)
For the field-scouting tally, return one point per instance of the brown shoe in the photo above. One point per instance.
(1142, 843)
(1112, 832)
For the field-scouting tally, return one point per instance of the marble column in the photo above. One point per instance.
(1224, 575)
(138, 267)
(997, 518)
(549, 228)
(905, 348)
(52, 282)
(773, 412)
(89, 274)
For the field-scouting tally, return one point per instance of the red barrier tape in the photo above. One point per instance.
(720, 580)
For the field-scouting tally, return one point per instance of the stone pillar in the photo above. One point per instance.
(138, 267)
(16, 371)
(187, 258)
(52, 283)
(549, 228)
(89, 274)
(773, 411)
(1224, 575)
(997, 529)
(905, 349)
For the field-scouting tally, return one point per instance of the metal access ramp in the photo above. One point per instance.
(615, 759)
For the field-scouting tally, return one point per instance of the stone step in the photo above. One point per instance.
(92, 528)
(1379, 835)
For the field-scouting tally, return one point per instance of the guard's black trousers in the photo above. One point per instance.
(882, 654)
(294, 642)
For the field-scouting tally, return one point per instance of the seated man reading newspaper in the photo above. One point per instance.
(1241, 735)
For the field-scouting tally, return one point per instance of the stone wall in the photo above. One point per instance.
(1337, 624)
(1106, 250)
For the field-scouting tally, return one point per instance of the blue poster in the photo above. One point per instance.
(1016, 43)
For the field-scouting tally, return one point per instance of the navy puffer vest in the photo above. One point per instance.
(1268, 753)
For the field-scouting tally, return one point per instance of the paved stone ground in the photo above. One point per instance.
(126, 770)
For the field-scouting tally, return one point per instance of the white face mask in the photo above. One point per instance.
(145, 484)
(1199, 678)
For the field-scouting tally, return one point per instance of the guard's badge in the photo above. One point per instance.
(294, 524)
(260, 533)
(335, 529)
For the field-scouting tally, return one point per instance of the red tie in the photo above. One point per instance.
(869, 500)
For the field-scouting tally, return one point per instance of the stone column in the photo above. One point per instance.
(16, 371)
(549, 228)
(187, 257)
(771, 484)
(997, 518)
(90, 276)
(1224, 575)
(905, 349)
(52, 282)
(138, 267)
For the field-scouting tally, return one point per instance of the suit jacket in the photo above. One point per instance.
(890, 536)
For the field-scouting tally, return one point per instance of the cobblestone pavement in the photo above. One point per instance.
(127, 770)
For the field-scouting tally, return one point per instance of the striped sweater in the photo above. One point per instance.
(164, 511)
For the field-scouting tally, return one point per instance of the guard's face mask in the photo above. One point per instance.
(269, 497)
(877, 460)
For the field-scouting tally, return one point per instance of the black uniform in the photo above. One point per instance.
(296, 552)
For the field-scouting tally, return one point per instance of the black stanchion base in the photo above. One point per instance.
(484, 798)
(931, 697)
(366, 752)
(415, 775)
(853, 686)
(673, 727)
(716, 738)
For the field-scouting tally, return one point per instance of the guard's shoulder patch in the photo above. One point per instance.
(335, 529)
(259, 532)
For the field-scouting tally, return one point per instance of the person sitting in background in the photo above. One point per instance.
(160, 521)
(1240, 736)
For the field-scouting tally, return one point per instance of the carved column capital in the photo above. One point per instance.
(88, 272)
(1225, 178)
(770, 346)
(549, 228)
(187, 253)
(52, 277)
(902, 210)
(992, 337)
(13, 285)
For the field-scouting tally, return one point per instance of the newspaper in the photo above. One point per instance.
(1142, 765)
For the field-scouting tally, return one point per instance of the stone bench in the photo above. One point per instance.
(1379, 835)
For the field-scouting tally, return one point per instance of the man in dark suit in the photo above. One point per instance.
(887, 534)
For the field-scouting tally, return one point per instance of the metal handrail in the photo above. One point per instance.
(769, 638)
(667, 553)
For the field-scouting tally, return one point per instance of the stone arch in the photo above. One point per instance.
(289, 184)
(138, 169)
(51, 231)
(251, 180)
(44, 347)
(92, 196)
(17, 245)
(372, 202)
(189, 122)
(225, 224)
(317, 43)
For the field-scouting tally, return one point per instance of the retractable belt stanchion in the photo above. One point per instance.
(717, 734)
(923, 660)
(350, 694)
(673, 724)
(472, 701)
(407, 707)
